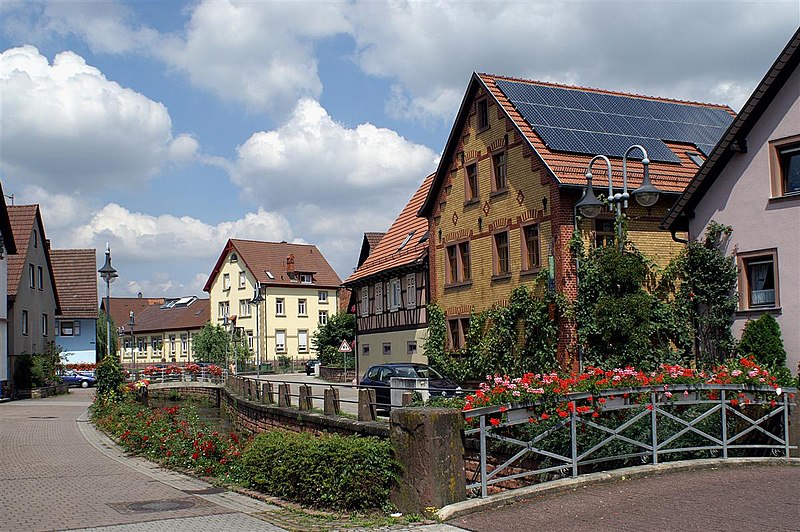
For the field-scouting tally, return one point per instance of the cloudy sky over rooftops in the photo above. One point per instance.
(165, 128)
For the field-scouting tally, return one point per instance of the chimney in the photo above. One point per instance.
(139, 295)
(290, 263)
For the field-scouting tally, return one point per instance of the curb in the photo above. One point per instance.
(459, 509)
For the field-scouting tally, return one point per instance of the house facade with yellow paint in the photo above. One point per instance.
(300, 292)
(501, 208)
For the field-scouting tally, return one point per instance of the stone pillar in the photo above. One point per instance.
(366, 404)
(429, 446)
(267, 396)
(331, 402)
(284, 398)
(306, 400)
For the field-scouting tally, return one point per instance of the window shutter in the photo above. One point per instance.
(411, 290)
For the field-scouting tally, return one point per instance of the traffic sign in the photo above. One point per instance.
(345, 347)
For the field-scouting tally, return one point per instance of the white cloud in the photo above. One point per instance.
(65, 126)
(313, 159)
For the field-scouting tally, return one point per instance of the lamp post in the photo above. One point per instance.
(133, 341)
(225, 323)
(109, 274)
(646, 195)
(257, 300)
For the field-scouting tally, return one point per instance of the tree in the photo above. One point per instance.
(212, 344)
(100, 344)
(762, 339)
(328, 338)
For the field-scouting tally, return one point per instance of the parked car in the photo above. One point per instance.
(311, 366)
(74, 378)
(379, 377)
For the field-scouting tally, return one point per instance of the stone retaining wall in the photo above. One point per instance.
(200, 391)
(336, 374)
(40, 393)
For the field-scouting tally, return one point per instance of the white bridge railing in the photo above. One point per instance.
(643, 425)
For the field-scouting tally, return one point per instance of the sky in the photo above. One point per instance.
(165, 128)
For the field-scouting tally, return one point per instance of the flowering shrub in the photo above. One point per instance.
(214, 370)
(192, 368)
(174, 437)
(548, 387)
(82, 366)
(173, 369)
(149, 370)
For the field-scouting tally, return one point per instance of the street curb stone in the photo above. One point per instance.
(469, 506)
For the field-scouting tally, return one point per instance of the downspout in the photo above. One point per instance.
(675, 237)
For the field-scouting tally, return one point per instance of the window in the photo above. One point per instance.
(41, 278)
(155, 344)
(141, 344)
(458, 328)
(35, 239)
(411, 348)
(378, 298)
(279, 310)
(242, 280)
(302, 340)
(44, 325)
(301, 307)
(226, 281)
(395, 294)
(406, 240)
(458, 270)
(280, 341)
(695, 157)
(172, 344)
(603, 233)
(501, 263)
(789, 158)
(411, 290)
(234, 257)
(249, 335)
(364, 301)
(482, 109)
(499, 171)
(69, 328)
(244, 307)
(365, 350)
(31, 276)
(758, 280)
(387, 348)
(322, 296)
(184, 343)
(323, 317)
(223, 309)
(305, 278)
(471, 185)
(531, 250)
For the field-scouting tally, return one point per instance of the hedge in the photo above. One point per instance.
(332, 471)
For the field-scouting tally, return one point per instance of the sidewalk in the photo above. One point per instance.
(57, 472)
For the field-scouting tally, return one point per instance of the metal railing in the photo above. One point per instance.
(625, 426)
(164, 376)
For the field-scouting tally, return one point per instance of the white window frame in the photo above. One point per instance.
(226, 281)
(250, 340)
(306, 278)
(280, 306)
(302, 340)
(242, 280)
(223, 309)
(280, 340)
(31, 276)
(24, 324)
(45, 325)
(395, 295)
(322, 296)
(40, 276)
(385, 351)
(365, 350)
(184, 343)
(64, 326)
(322, 317)
(302, 307)
(244, 307)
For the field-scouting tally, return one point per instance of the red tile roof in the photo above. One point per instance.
(389, 254)
(75, 271)
(373, 239)
(262, 257)
(23, 218)
(570, 168)
(153, 318)
(121, 307)
(5, 225)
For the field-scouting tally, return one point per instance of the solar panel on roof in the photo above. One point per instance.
(579, 121)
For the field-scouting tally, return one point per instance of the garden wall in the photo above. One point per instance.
(41, 393)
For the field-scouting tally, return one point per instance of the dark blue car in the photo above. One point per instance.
(74, 378)
(379, 377)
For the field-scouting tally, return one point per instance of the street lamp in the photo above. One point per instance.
(109, 274)
(257, 300)
(225, 323)
(133, 341)
(646, 195)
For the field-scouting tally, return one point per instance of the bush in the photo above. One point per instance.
(762, 339)
(110, 378)
(331, 471)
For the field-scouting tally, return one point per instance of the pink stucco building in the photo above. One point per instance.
(751, 181)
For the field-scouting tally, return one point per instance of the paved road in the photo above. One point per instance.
(348, 395)
(758, 498)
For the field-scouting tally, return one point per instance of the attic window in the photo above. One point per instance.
(269, 274)
(695, 157)
(234, 257)
(408, 237)
(305, 278)
(423, 238)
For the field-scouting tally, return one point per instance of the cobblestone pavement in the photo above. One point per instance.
(753, 498)
(53, 478)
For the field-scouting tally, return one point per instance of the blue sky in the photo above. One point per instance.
(166, 128)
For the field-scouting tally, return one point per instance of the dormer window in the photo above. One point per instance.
(305, 278)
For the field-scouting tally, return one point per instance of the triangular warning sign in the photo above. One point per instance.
(345, 347)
